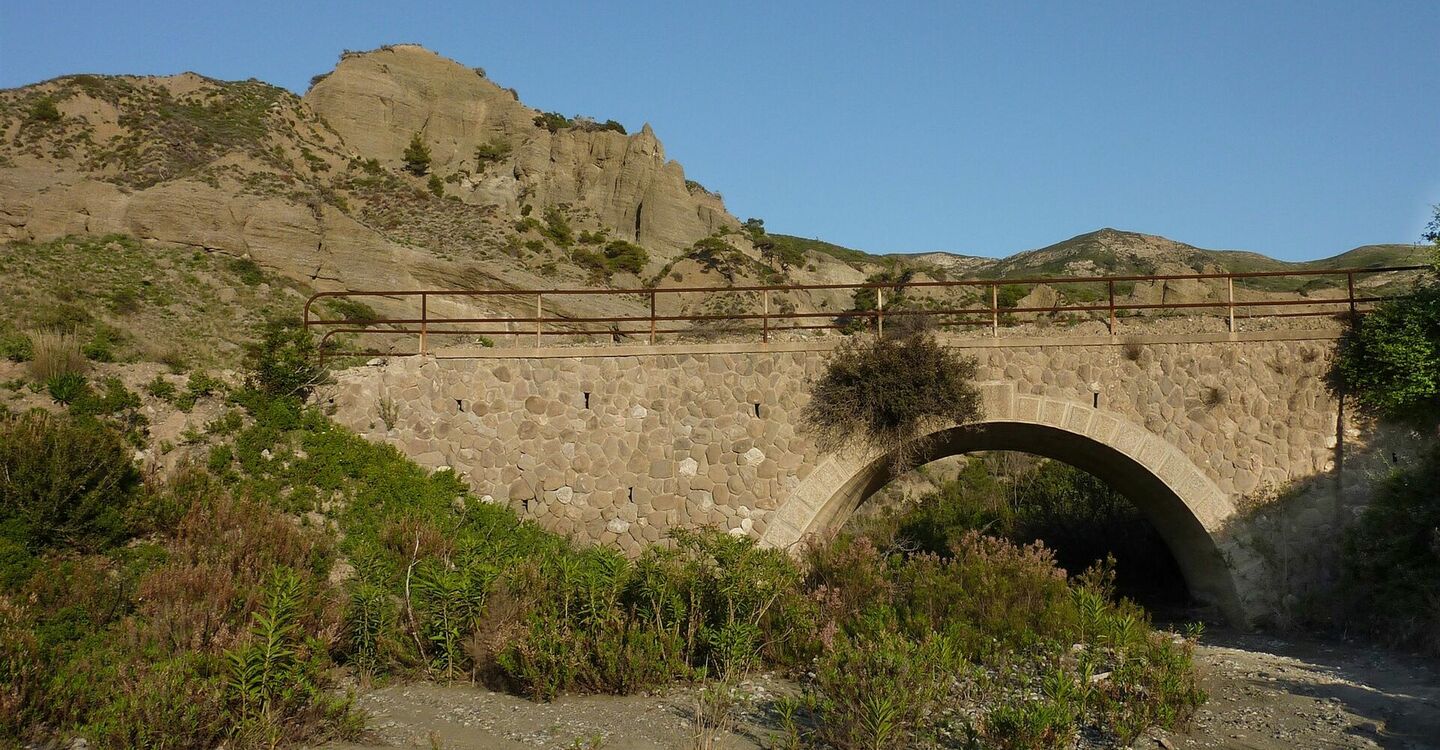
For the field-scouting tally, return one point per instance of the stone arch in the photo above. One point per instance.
(1185, 506)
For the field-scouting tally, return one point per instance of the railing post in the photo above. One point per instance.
(539, 313)
(880, 309)
(1230, 285)
(424, 320)
(765, 320)
(1111, 285)
(1350, 286)
(995, 309)
(652, 317)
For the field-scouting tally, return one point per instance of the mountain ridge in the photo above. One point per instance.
(318, 189)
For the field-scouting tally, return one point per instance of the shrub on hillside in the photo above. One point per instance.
(490, 152)
(285, 361)
(44, 110)
(885, 394)
(417, 156)
(625, 256)
(16, 346)
(63, 481)
(719, 256)
(67, 387)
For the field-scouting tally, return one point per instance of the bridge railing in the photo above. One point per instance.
(975, 303)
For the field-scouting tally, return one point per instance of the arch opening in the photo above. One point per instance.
(1180, 521)
(1025, 498)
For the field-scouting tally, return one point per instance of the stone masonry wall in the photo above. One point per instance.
(618, 448)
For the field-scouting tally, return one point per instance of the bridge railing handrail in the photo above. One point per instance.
(991, 314)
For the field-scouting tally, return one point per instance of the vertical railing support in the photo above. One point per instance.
(1111, 284)
(424, 321)
(765, 316)
(539, 313)
(652, 317)
(1350, 287)
(995, 310)
(880, 313)
(1230, 305)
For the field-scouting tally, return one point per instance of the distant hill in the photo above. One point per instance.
(329, 190)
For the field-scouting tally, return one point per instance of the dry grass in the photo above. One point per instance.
(55, 353)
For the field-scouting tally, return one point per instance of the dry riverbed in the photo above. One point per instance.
(1265, 693)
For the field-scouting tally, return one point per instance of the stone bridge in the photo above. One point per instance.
(617, 445)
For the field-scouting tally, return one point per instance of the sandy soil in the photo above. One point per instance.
(1266, 693)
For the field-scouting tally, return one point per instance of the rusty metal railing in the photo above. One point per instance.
(769, 322)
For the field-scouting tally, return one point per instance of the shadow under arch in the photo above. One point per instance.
(1185, 507)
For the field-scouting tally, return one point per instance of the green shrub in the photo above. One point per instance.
(199, 385)
(719, 256)
(1391, 572)
(553, 121)
(102, 343)
(1009, 295)
(557, 227)
(16, 346)
(285, 361)
(67, 387)
(1390, 358)
(436, 186)
(876, 692)
(276, 675)
(63, 481)
(350, 309)
(248, 271)
(625, 256)
(116, 405)
(490, 152)
(417, 156)
(44, 110)
(161, 388)
(1020, 626)
(884, 394)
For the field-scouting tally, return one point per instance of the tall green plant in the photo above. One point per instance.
(417, 156)
(64, 481)
(1390, 358)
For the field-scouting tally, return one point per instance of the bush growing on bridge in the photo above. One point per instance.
(884, 394)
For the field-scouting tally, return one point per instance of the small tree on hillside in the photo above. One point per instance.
(417, 156)
(886, 394)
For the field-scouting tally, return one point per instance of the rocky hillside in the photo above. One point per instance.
(403, 169)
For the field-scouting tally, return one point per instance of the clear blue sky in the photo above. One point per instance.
(1298, 129)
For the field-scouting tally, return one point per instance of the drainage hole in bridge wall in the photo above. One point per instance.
(757, 410)
(1097, 400)
(587, 399)
(459, 405)
(632, 494)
